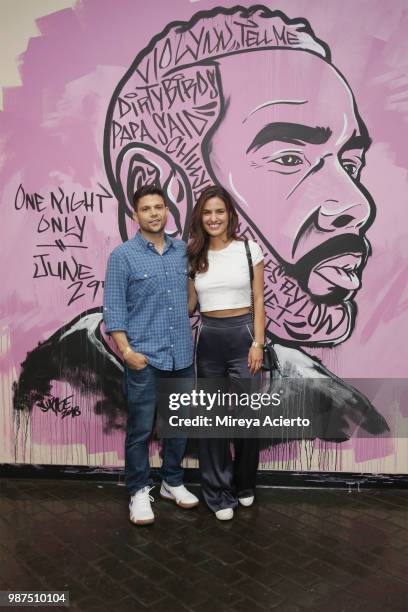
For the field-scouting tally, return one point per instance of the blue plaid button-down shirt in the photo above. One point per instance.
(146, 296)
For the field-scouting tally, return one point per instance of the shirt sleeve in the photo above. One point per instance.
(114, 295)
(256, 252)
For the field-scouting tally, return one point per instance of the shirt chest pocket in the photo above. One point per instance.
(144, 283)
(180, 278)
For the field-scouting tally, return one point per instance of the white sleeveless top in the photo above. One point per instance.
(226, 283)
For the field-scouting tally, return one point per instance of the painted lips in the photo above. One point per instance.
(340, 271)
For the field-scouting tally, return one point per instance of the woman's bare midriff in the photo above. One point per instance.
(232, 312)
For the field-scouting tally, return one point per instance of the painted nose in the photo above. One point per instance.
(349, 210)
(334, 215)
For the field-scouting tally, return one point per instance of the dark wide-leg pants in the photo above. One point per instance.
(222, 353)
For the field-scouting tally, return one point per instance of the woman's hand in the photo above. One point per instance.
(255, 358)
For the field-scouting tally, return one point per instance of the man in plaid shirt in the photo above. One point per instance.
(146, 313)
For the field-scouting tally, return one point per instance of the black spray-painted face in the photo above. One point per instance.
(291, 148)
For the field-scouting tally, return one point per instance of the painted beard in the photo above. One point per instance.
(310, 303)
(294, 316)
(331, 273)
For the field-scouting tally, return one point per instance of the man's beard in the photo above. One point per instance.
(158, 229)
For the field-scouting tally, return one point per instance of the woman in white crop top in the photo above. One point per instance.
(229, 345)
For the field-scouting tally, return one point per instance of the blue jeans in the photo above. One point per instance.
(141, 388)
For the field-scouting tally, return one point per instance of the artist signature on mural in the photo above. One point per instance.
(62, 407)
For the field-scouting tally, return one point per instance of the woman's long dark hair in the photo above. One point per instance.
(197, 249)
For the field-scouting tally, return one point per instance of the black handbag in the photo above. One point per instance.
(270, 362)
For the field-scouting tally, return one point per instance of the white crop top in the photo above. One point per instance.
(226, 283)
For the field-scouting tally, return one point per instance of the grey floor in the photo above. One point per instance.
(294, 550)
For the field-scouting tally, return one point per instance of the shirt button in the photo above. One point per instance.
(168, 290)
(170, 308)
(145, 275)
(171, 327)
(171, 345)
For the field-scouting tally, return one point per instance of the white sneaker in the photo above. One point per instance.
(180, 495)
(141, 512)
(226, 514)
(246, 501)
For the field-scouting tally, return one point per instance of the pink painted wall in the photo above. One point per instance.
(114, 92)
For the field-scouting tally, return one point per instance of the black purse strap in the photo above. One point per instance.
(249, 258)
(273, 358)
(251, 276)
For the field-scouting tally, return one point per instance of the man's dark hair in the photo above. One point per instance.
(145, 190)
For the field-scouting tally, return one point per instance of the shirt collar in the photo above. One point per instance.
(168, 240)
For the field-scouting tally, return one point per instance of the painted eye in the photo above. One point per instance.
(351, 168)
(289, 160)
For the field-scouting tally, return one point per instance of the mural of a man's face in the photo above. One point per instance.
(290, 147)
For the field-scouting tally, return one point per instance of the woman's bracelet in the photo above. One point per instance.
(257, 344)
